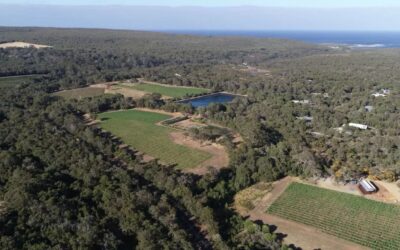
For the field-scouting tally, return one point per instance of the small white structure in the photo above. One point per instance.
(382, 93)
(317, 134)
(305, 118)
(378, 95)
(325, 95)
(301, 101)
(357, 125)
(177, 75)
(369, 108)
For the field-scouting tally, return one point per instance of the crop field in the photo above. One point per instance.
(8, 82)
(171, 91)
(80, 93)
(353, 218)
(139, 129)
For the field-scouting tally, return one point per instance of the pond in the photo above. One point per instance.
(204, 101)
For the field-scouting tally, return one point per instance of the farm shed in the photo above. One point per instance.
(366, 187)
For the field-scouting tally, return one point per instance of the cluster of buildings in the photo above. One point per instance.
(382, 93)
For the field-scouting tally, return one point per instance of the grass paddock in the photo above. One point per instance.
(139, 129)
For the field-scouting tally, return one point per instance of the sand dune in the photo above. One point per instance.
(22, 45)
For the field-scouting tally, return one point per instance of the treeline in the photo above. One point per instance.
(81, 57)
(66, 185)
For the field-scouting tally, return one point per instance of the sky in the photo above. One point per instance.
(270, 3)
(327, 15)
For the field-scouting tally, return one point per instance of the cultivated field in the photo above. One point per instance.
(13, 81)
(139, 129)
(168, 90)
(353, 218)
(80, 93)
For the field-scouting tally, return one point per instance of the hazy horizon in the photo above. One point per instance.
(167, 18)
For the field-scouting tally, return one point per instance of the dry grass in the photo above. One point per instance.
(80, 93)
(247, 198)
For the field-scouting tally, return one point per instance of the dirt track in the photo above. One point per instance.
(299, 235)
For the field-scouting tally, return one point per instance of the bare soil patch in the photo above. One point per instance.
(187, 124)
(392, 188)
(219, 159)
(388, 192)
(294, 233)
(125, 91)
(22, 45)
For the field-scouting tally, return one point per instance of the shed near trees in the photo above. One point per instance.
(367, 187)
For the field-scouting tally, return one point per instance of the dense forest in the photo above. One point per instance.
(65, 185)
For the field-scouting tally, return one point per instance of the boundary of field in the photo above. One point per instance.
(141, 80)
(17, 76)
(200, 169)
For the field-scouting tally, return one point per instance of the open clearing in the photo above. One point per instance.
(80, 93)
(22, 45)
(125, 91)
(134, 90)
(219, 157)
(168, 90)
(353, 218)
(139, 129)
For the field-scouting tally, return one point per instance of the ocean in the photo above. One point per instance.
(354, 39)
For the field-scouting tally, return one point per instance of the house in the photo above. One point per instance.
(305, 118)
(357, 125)
(367, 187)
(369, 108)
(382, 93)
(301, 101)
(378, 95)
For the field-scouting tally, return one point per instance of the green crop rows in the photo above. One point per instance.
(139, 129)
(9, 82)
(80, 93)
(350, 217)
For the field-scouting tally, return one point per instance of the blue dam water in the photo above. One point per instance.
(204, 101)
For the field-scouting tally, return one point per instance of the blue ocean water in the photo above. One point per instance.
(204, 101)
(355, 39)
